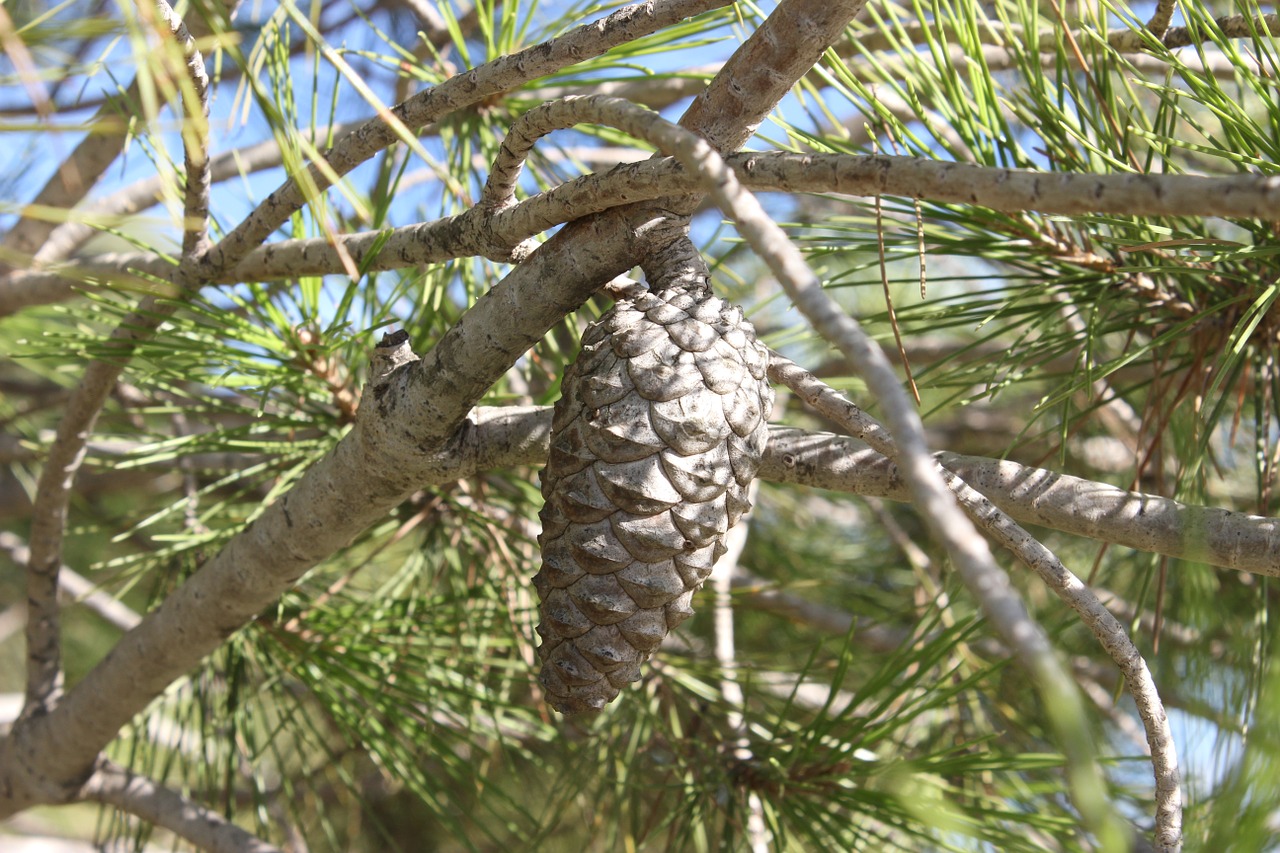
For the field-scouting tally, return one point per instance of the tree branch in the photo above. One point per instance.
(145, 798)
(939, 510)
(513, 436)
(53, 491)
(1125, 40)
(484, 81)
(404, 435)
(478, 232)
(1104, 513)
(67, 237)
(1033, 554)
(406, 427)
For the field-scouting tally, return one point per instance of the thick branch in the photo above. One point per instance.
(49, 514)
(406, 427)
(510, 436)
(782, 49)
(405, 432)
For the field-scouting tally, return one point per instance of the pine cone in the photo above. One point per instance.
(656, 437)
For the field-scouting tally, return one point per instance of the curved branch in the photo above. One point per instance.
(938, 508)
(1113, 638)
(145, 798)
(940, 512)
(53, 491)
(1033, 554)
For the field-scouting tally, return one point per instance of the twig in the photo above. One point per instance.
(153, 802)
(53, 492)
(1105, 627)
(77, 587)
(1106, 702)
(1158, 24)
(1231, 26)
(1113, 638)
(491, 78)
(722, 579)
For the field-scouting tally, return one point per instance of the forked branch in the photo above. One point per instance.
(1110, 634)
(938, 507)
(493, 229)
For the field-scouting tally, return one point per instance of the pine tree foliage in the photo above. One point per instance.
(1058, 219)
